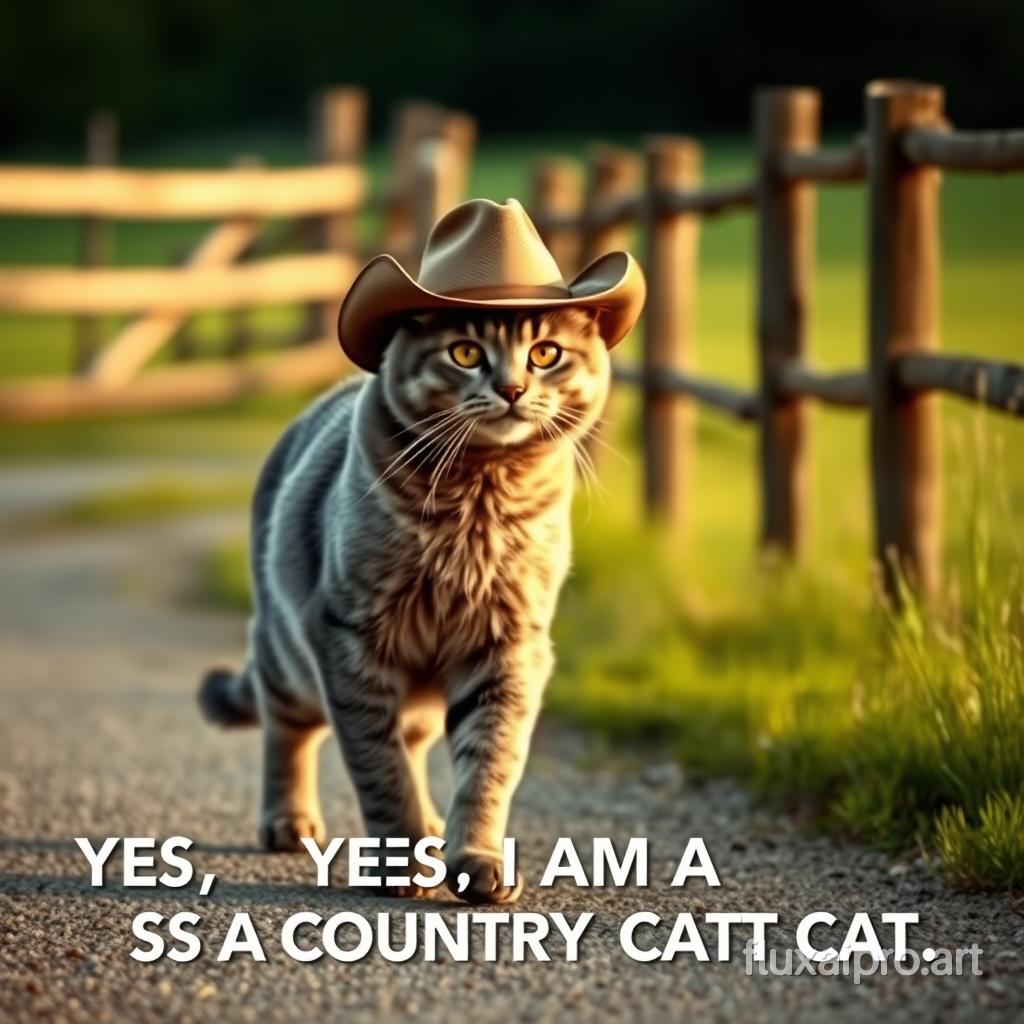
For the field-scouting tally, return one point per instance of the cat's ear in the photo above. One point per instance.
(581, 320)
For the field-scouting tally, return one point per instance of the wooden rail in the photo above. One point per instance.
(190, 288)
(906, 143)
(990, 152)
(848, 388)
(183, 386)
(179, 195)
(735, 402)
(999, 385)
(627, 208)
(324, 201)
(824, 165)
(137, 343)
(710, 201)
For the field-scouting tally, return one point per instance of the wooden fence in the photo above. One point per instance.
(906, 144)
(242, 262)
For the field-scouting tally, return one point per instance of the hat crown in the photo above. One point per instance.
(482, 247)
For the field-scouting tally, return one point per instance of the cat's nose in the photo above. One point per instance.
(511, 392)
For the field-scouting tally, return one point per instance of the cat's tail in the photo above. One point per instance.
(228, 699)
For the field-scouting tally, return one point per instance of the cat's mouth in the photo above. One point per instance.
(510, 415)
(507, 427)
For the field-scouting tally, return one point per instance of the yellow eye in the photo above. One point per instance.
(466, 354)
(545, 354)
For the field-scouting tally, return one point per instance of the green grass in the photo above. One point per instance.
(893, 729)
(224, 576)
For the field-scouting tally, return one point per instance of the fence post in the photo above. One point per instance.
(558, 193)
(673, 164)
(410, 121)
(339, 133)
(441, 175)
(611, 174)
(97, 238)
(437, 187)
(405, 209)
(785, 119)
(241, 335)
(903, 318)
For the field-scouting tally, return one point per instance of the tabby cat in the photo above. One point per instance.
(410, 535)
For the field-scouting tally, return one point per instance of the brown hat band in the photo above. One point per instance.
(511, 291)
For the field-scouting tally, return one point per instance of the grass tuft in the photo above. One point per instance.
(988, 853)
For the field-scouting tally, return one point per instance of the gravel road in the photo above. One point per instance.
(100, 650)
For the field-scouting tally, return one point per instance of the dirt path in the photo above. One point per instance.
(99, 655)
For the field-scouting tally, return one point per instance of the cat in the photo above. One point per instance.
(410, 535)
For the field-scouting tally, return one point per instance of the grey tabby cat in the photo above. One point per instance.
(410, 535)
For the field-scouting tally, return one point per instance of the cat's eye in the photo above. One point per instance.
(466, 354)
(545, 354)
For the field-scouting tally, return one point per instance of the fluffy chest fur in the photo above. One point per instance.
(478, 565)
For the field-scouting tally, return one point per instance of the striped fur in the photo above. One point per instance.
(410, 536)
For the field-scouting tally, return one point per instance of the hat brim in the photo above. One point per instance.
(612, 285)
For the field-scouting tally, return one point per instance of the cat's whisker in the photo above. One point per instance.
(401, 459)
(443, 467)
(443, 417)
(596, 438)
(469, 435)
(446, 461)
(463, 444)
(449, 449)
(438, 444)
(427, 419)
(409, 451)
(439, 448)
(574, 419)
(587, 459)
(585, 471)
(588, 473)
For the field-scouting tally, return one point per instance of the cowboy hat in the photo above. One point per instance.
(484, 255)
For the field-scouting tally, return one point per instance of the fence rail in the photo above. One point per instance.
(234, 267)
(180, 195)
(191, 288)
(734, 401)
(989, 152)
(824, 165)
(907, 141)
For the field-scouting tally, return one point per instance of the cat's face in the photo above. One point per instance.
(492, 380)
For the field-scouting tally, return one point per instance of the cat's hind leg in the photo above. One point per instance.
(294, 729)
(290, 803)
(290, 807)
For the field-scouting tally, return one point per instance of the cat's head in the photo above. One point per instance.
(498, 378)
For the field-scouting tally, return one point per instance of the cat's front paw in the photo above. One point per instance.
(478, 878)
(283, 832)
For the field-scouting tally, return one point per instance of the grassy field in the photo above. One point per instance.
(888, 728)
